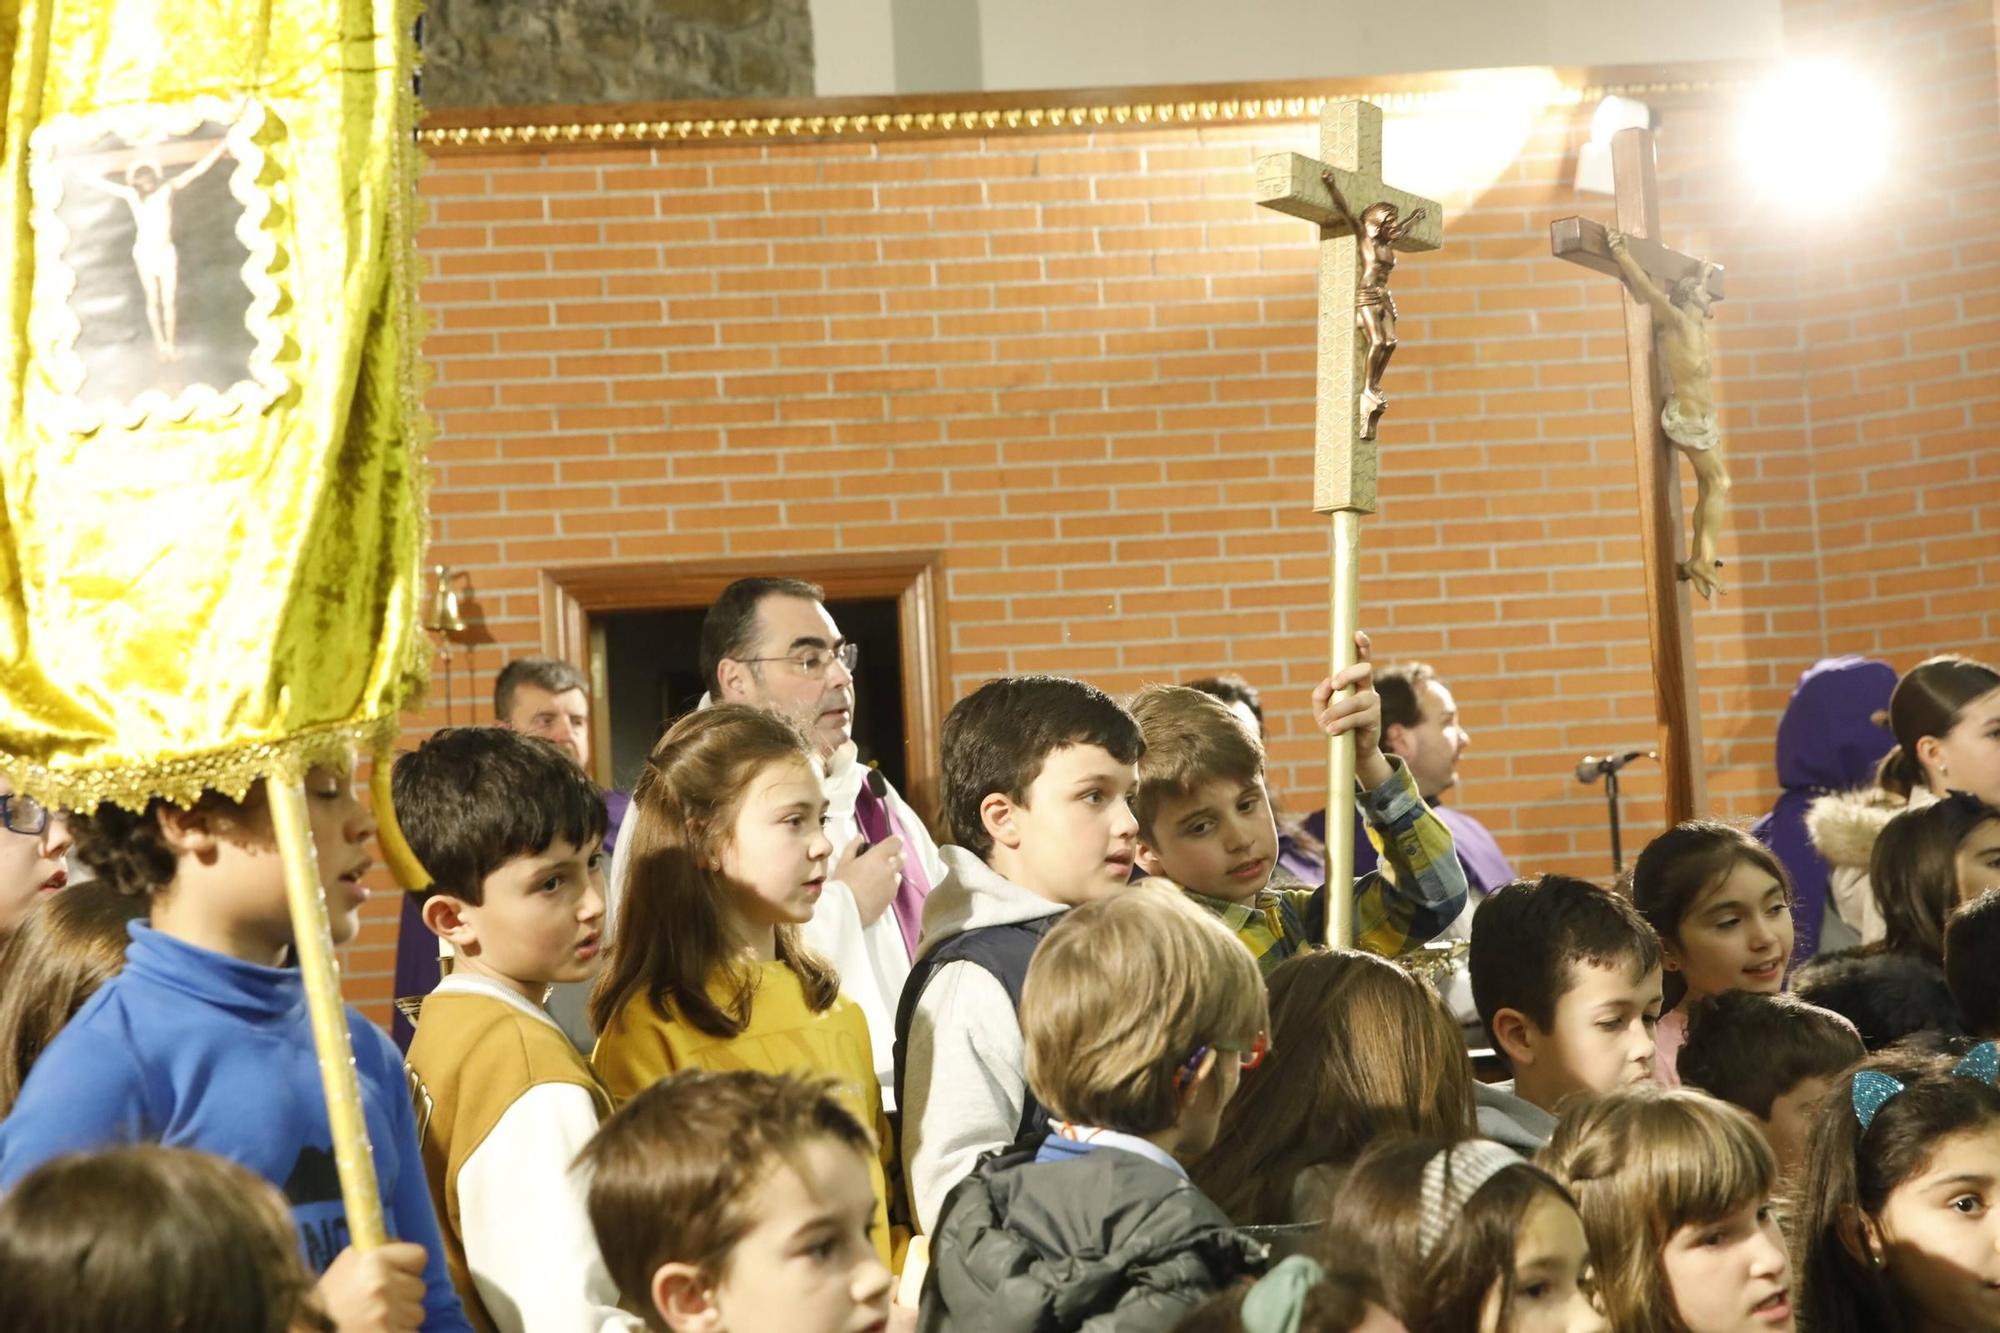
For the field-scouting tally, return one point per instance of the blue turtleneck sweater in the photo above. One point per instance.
(195, 1049)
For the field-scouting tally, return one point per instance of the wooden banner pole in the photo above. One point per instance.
(312, 947)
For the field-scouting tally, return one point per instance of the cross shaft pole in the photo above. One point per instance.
(1669, 605)
(1344, 456)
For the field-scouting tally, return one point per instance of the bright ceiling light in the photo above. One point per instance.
(1593, 160)
(1816, 135)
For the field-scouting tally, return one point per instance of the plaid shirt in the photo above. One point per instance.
(1415, 849)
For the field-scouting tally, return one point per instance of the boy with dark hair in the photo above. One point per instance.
(1890, 997)
(536, 696)
(1972, 964)
(739, 1202)
(1037, 771)
(1567, 979)
(204, 1040)
(1205, 823)
(1099, 1225)
(510, 831)
(1773, 1055)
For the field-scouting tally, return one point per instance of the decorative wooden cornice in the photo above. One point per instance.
(488, 129)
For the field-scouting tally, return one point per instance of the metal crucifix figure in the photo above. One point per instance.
(1376, 232)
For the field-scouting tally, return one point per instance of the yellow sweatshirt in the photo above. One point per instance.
(784, 1036)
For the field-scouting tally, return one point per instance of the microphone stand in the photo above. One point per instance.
(1611, 805)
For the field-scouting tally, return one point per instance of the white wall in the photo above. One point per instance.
(937, 46)
(1124, 43)
(854, 47)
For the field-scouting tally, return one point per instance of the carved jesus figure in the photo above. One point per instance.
(150, 196)
(1689, 417)
(1376, 231)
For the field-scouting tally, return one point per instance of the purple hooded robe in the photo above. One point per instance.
(1826, 743)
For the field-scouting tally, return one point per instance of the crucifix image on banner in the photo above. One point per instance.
(1363, 222)
(155, 264)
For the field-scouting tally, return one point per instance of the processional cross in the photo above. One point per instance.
(1362, 222)
(1683, 411)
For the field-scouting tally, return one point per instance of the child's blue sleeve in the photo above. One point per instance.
(406, 1198)
(86, 1091)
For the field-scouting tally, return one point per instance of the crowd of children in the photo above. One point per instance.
(1126, 1091)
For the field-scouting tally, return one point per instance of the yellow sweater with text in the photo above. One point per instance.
(639, 1046)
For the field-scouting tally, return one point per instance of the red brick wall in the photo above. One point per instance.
(1903, 336)
(1082, 365)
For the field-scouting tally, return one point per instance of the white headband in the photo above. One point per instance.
(1450, 1180)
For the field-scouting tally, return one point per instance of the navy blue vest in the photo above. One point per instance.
(1004, 952)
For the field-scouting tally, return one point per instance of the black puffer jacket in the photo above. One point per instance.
(1105, 1243)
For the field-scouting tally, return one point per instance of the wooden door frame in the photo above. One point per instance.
(572, 595)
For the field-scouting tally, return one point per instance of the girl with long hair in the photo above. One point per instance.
(708, 969)
(1945, 715)
(68, 946)
(1722, 906)
(1899, 1229)
(1467, 1238)
(1360, 1051)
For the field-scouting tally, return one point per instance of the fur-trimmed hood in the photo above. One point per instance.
(1843, 827)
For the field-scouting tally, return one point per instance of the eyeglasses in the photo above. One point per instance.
(24, 815)
(1251, 1056)
(817, 661)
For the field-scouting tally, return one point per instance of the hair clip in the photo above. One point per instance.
(1982, 1062)
(1278, 1302)
(1870, 1090)
(1440, 1200)
(1186, 1073)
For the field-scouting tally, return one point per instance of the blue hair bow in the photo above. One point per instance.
(1872, 1089)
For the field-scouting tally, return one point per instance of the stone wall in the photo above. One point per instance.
(557, 52)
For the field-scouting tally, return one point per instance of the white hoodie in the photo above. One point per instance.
(965, 1074)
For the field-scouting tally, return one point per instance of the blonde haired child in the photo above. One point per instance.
(1138, 1015)
(708, 970)
(1675, 1191)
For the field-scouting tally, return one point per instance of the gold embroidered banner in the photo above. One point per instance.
(211, 476)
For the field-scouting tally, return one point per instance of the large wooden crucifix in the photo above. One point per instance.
(1362, 223)
(1669, 608)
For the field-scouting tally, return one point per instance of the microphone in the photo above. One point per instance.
(878, 787)
(1592, 768)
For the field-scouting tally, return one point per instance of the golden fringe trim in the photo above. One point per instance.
(1014, 119)
(182, 780)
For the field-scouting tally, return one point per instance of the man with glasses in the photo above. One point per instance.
(769, 643)
(33, 844)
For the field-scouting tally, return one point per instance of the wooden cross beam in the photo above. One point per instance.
(1669, 606)
(1344, 458)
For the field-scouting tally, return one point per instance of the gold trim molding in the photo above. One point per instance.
(669, 123)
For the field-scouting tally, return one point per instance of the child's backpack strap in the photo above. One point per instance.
(1004, 952)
